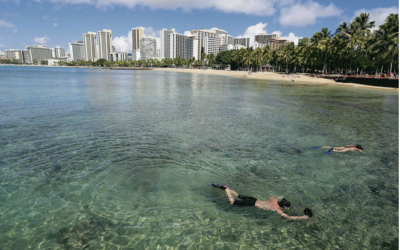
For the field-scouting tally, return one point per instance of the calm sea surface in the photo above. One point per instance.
(103, 159)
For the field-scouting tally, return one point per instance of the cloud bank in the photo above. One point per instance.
(303, 14)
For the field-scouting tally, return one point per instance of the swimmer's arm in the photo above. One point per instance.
(230, 197)
(304, 217)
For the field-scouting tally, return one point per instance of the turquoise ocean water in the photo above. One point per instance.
(103, 159)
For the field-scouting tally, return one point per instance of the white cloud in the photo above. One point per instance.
(254, 30)
(45, 18)
(303, 14)
(6, 24)
(15, 31)
(55, 25)
(291, 37)
(378, 15)
(41, 40)
(250, 7)
(1, 38)
(124, 43)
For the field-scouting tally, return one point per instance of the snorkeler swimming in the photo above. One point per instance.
(357, 147)
(273, 204)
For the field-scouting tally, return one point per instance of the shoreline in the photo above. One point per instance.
(298, 78)
(272, 76)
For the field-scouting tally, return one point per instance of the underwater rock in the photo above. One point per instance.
(293, 150)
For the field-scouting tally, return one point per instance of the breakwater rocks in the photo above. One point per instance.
(380, 82)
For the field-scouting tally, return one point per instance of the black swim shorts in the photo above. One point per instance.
(245, 201)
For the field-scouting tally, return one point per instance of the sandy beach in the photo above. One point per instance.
(298, 78)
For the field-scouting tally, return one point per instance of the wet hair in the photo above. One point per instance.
(284, 203)
(359, 146)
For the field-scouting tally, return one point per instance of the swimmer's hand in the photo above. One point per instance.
(308, 212)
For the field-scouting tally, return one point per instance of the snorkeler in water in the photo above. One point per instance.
(346, 148)
(276, 204)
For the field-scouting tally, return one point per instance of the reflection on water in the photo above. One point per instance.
(95, 159)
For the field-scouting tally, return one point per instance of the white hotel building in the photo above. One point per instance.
(77, 51)
(165, 42)
(147, 48)
(177, 45)
(208, 40)
(105, 44)
(191, 48)
(38, 53)
(90, 48)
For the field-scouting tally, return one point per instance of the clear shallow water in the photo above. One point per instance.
(102, 159)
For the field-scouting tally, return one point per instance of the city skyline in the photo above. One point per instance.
(60, 22)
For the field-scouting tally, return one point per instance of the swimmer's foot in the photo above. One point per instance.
(219, 186)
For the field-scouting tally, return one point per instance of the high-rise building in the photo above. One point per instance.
(242, 41)
(263, 38)
(27, 56)
(137, 35)
(77, 51)
(15, 55)
(222, 34)
(176, 45)
(105, 44)
(90, 48)
(231, 40)
(164, 42)
(38, 53)
(148, 48)
(208, 41)
(191, 48)
(58, 52)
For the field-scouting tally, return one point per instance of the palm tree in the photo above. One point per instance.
(322, 41)
(386, 39)
(248, 57)
(237, 58)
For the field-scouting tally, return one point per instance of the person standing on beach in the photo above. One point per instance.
(276, 204)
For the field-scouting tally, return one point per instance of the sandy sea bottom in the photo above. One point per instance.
(101, 159)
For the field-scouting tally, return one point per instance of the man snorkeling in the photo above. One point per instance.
(273, 204)
(357, 147)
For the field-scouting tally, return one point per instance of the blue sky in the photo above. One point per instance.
(58, 22)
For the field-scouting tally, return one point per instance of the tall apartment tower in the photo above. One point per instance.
(89, 42)
(208, 41)
(147, 48)
(222, 34)
(137, 35)
(165, 42)
(177, 45)
(191, 48)
(105, 44)
(242, 41)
